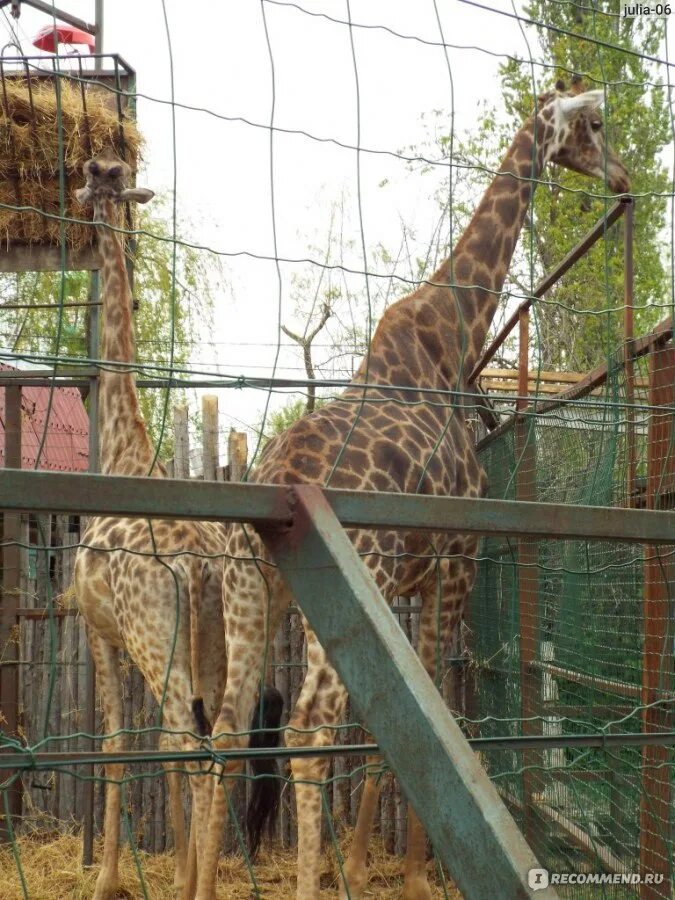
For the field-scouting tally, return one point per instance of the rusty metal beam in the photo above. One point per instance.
(52, 11)
(659, 575)
(466, 820)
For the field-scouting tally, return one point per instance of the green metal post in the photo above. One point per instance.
(468, 824)
(90, 673)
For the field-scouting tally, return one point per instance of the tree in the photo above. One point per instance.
(638, 125)
(160, 324)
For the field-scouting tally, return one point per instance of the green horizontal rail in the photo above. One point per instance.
(55, 760)
(269, 505)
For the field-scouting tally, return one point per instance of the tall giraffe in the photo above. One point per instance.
(151, 588)
(382, 439)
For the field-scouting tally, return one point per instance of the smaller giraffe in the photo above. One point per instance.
(152, 588)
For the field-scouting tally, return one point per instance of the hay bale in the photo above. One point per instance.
(30, 145)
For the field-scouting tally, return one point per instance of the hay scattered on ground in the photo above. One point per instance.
(30, 147)
(51, 865)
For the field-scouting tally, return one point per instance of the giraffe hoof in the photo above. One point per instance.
(106, 890)
(416, 889)
(355, 884)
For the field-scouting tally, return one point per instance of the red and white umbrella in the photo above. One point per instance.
(49, 37)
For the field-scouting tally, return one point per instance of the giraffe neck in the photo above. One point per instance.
(125, 446)
(483, 254)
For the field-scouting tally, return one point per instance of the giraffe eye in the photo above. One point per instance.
(596, 125)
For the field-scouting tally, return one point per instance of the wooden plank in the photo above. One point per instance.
(576, 836)
(511, 387)
(533, 375)
(210, 452)
(237, 455)
(181, 442)
(655, 800)
(641, 346)
(608, 685)
(43, 612)
(472, 832)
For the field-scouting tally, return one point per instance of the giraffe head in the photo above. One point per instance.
(574, 134)
(107, 177)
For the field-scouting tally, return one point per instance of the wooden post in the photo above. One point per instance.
(181, 443)
(9, 645)
(237, 455)
(210, 453)
(526, 489)
(655, 799)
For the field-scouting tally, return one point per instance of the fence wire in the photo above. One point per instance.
(563, 639)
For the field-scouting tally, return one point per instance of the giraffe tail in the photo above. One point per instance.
(196, 590)
(263, 806)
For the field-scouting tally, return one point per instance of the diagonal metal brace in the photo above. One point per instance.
(468, 824)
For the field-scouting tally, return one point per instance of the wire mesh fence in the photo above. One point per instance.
(563, 639)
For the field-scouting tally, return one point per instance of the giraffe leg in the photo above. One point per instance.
(246, 642)
(443, 599)
(213, 669)
(110, 691)
(415, 883)
(190, 885)
(321, 702)
(355, 871)
(178, 718)
(174, 781)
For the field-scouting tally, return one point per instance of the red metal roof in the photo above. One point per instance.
(66, 448)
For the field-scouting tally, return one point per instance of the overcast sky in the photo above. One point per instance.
(232, 58)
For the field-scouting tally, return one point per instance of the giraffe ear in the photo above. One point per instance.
(587, 101)
(83, 195)
(136, 195)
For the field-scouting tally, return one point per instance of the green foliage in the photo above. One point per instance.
(638, 126)
(281, 419)
(579, 323)
(160, 323)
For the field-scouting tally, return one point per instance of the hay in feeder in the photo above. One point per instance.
(31, 143)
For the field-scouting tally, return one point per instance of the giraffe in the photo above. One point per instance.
(153, 589)
(384, 439)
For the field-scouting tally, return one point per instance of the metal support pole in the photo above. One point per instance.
(11, 573)
(98, 34)
(464, 816)
(90, 673)
(657, 664)
(526, 489)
